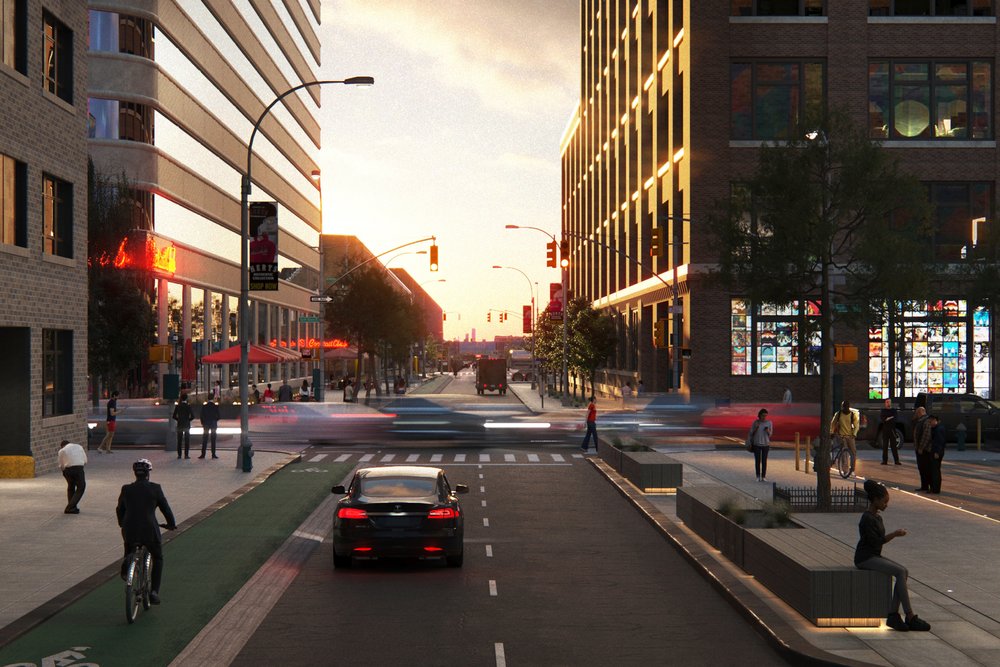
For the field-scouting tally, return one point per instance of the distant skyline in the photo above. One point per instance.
(458, 137)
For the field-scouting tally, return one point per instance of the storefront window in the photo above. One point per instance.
(775, 340)
(937, 347)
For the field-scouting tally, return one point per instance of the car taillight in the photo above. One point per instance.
(351, 513)
(443, 513)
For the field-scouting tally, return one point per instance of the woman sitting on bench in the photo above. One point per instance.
(868, 556)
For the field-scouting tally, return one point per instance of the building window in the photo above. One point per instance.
(57, 216)
(57, 372)
(775, 340)
(778, 8)
(962, 213)
(930, 99)
(14, 34)
(930, 8)
(769, 98)
(57, 58)
(938, 347)
(13, 202)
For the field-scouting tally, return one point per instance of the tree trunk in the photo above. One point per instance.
(822, 467)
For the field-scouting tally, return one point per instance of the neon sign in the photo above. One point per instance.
(311, 343)
(148, 253)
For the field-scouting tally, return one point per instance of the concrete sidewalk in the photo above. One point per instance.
(46, 553)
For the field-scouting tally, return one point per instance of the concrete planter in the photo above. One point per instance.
(649, 471)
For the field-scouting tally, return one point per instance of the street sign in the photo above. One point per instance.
(321, 298)
(308, 318)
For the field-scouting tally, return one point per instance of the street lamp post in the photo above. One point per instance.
(534, 372)
(243, 459)
(423, 312)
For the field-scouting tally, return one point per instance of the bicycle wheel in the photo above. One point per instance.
(844, 463)
(132, 586)
(147, 573)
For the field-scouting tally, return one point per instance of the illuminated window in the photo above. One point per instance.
(57, 57)
(769, 98)
(57, 372)
(937, 347)
(777, 8)
(57, 216)
(775, 340)
(13, 202)
(930, 8)
(14, 34)
(930, 99)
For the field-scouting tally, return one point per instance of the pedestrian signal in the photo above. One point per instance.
(657, 243)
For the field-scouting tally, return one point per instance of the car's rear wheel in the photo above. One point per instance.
(341, 562)
(456, 561)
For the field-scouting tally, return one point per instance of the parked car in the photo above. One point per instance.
(953, 409)
(398, 511)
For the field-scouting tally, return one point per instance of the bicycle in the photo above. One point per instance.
(138, 580)
(840, 457)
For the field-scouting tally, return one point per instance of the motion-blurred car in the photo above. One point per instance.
(398, 512)
(788, 419)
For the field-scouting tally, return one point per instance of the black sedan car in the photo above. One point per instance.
(398, 512)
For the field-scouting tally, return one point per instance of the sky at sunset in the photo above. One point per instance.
(458, 137)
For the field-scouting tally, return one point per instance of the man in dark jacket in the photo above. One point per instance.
(137, 505)
(183, 415)
(938, 437)
(922, 446)
(209, 423)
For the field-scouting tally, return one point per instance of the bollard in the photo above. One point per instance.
(808, 452)
(796, 450)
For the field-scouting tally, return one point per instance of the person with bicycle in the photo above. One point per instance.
(137, 505)
(845, 426)
(887, 432)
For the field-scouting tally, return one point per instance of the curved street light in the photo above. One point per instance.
(534, 318)
(243, 459)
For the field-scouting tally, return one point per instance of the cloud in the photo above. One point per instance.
(516, 55)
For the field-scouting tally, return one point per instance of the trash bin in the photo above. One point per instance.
(960, 434)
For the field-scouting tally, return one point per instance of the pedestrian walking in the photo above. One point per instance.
(786, 398)
(110, 424)
(759, 442)
(938, 444)
(887, 432)
(284, 392)
(640, 388)
(183, 415)
(217, 391)
(255, 394)
(922, 446)
(868, 556)
(209, 425)
(72, 459)
(268, 394)
(368, 390)
(591, 425)
(845, 425)
(304, 391)
(349, 392)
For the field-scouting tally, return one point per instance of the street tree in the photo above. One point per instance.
(827, 216)
(592, 339)
(119, 312)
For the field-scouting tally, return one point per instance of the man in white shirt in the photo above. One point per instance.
(72, 458)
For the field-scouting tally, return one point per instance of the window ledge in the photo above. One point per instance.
(58, 259)
(988, 20)
(59, 102)
(14, 250)
(15, 75)
(778, 19)
(984, 143)
(60, 420)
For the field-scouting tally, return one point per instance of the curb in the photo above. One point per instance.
(782, 637)
(60, 601)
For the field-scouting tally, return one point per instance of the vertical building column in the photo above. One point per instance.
(224, 337)
(185, 326)
(162, 329)
(207, 337)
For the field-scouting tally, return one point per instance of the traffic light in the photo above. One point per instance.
(660, 333)
(434, 258)
(489, 316)
(550, 254)
(657, 245)
(503, 317)
(564, 254)
(444, 317)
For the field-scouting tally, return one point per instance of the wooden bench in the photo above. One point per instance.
(816, 576)
(697, 507)
(650, 472)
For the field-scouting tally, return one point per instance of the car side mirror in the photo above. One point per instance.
(339, 490)
(461, 488)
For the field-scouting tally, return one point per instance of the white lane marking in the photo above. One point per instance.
(558, 458)
(480, 475)
(436, 458)
(412, 457)
(578, 456)
(459, 458)
(342, 458)
(388, 457)
(501, 658)
(482, 489)
(484, 503)
(318, 457)
(493, 588)
(366, 458)
(532, 458)
(485, 458)
(486, 522)
(509, 458)
(489, 551)
(308, 536)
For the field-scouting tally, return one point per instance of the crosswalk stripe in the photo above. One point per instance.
(388, 457)
(318, 457)
(578, 456)
(366, 458)
(558, 458)
(509, 458)
(412, 457)
(436, 458)
(484, 458)
(533, 458)
(459, 458)
(342, 458)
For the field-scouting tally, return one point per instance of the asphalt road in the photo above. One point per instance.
(559, 570)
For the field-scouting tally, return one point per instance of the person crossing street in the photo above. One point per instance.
(591, 425)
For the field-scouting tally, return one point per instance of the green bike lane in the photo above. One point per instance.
(204, 566)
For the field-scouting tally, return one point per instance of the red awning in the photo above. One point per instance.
(257, 354)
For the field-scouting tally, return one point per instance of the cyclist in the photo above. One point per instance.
(137, 505)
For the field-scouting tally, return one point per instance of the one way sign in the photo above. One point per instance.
(321, 299)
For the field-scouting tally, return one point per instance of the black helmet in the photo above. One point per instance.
(142, 467)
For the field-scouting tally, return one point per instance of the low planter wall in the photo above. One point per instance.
(649, 471)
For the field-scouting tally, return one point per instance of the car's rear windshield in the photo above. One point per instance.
(398, 487)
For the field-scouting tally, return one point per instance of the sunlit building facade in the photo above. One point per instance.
(175, 89)
(43, 231)
(676, 98)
